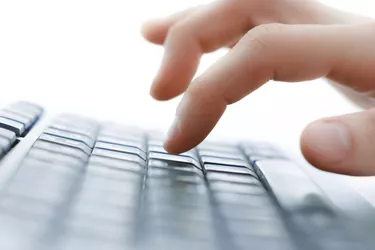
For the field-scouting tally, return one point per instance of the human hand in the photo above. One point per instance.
(279, 40)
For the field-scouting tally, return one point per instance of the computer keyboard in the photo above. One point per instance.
(72, 183)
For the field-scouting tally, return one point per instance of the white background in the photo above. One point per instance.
(88, 57)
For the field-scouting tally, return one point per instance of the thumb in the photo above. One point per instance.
(344, 144)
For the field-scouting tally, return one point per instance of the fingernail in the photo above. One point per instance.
(329, 140)
(174, 130)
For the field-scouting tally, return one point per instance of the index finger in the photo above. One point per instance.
(279, 52)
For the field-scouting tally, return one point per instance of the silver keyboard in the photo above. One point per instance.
(75, 183)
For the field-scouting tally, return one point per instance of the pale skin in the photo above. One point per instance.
(282, 40)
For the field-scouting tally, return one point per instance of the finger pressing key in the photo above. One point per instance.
(274, 51)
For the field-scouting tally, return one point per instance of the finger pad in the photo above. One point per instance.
(319, 162)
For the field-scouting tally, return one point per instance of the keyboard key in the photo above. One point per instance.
(66, 142)
(171, 171)
(177, 186)
(158, 168)
(116, 165)
(229, 169)
(97, 231)
(30, 105)
(113, 174)
(255, 145)
(232, 177)
(15, 117)
(174, 158)
(122, 136)
(17, 127)
(224, 162)
(121, 148)
(155, 142)
(111, 185)
(224, 155)
(71, 135)
(118, 155)
(122, 142)
(219, 147)
(26, 108)
(237, 188)
(188, 231)
(74, 129)
(238, 212)
(171, 180)
(9, 135)
(81, 122)
(55, 158)
(176, 198)
(61, 149)
(255, 153)
(183, 214)
(34, 167)
(116, 199)
(70, 126)
(19, 111)
(160, 149)
(251, 200)
(41, 183)
(123, 132)
(102, 213)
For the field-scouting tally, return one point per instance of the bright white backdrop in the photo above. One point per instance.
(88, 57)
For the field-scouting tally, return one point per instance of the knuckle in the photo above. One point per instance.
(178, 30)
(235, 7)
(269, 28)
(262, 36)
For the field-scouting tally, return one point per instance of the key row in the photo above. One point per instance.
(16, 120)
(20, 117)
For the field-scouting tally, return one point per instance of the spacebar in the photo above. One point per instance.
(303, 202)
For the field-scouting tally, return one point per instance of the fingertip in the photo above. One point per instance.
(154, 31)
(326, 145)
(172, 143)
(170, 148)
(179, 145)
(160, 93)
(170, 82)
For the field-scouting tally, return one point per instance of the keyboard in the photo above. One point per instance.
(71, 183)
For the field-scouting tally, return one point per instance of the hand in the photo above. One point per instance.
(323, 42)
